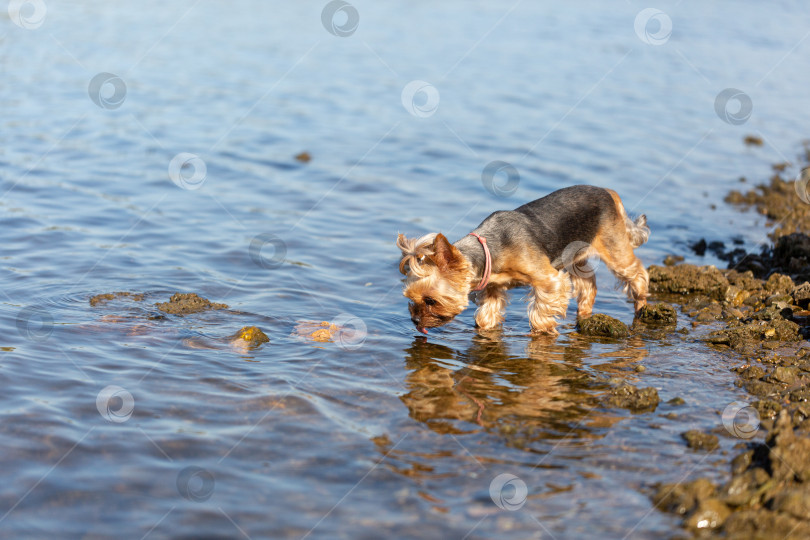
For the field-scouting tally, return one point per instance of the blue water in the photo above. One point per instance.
(382, 433)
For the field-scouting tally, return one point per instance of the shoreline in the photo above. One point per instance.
(762, 300)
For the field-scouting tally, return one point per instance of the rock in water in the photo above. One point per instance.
(628, 396)
(662, 313)
(252, 335)
(602, 325)
(184, 303)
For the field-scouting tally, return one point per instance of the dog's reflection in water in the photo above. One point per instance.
(546, 392)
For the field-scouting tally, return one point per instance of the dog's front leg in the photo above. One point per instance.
(548, 301)
(491, 307)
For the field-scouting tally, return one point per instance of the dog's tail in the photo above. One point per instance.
(413, 251)
(637, 231)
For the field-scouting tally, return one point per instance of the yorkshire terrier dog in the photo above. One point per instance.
(544, 244)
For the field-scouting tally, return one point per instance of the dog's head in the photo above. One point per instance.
(437, 279)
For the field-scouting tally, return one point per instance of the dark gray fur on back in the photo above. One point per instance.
(551, 223)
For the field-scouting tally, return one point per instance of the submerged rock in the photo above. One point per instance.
(251, 335)
(754, 332)
(753, 140)
(322, 332)
(185, 303)
(683, 498)
(106, 297)
(697, 440)
(628, 396)
(599, 324)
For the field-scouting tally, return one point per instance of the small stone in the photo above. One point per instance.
(795, 502)
(767, 408)
(106, 297)
(709, 313)
(710, 514)
(787, 375)
(629, 397)
(801, 295)
(736, 296)
(253, 335)
(741, 462)
(303, 157)
(698, 440)
(778, 283)
(752, 140)
(743, 488)
(699, 247)
(676, 401)
(640, 369)
(781, 300)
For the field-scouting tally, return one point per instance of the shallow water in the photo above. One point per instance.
(384, 432)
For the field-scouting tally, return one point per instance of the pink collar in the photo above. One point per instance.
(488, 265)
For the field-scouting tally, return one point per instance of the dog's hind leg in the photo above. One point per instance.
(615, 243)
(617, 254)
(585, 291)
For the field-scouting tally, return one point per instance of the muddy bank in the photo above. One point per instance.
(762, 302)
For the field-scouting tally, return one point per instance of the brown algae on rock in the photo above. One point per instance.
(698, 440)
(251, 335)
(602, 325)
(627, 396)
(185, 303)
(106, 297)
(322, 332)
(661, 313)
(686, 279)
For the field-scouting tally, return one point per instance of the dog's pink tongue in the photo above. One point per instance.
(423, 330)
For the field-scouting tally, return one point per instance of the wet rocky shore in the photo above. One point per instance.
(761, 303)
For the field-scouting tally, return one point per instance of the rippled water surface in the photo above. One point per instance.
(119, 421)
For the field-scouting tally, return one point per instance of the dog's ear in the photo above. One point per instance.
(446, 256)
(402, 243)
